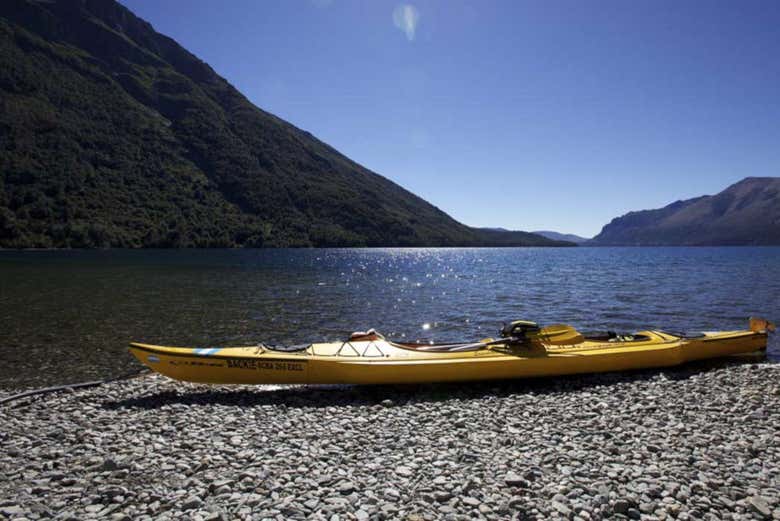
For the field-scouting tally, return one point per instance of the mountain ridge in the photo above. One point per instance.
(558, 236)
(116, 136)
(745, 213)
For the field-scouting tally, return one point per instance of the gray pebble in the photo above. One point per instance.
(760, 506)
(586, 448)
(513, 479)
(191, 503)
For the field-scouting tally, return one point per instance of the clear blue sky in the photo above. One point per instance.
(527, 115)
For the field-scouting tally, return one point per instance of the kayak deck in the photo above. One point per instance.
(374, 360)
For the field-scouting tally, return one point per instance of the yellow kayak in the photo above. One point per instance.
(524, 350)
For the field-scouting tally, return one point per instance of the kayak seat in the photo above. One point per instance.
(365, 336)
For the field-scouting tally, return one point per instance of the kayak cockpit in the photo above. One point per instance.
(612, 336)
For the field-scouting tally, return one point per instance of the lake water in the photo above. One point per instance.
(67, 316)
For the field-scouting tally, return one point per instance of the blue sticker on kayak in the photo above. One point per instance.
(206, 351)
(152, 359)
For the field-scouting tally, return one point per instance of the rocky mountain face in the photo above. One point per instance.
(112, 134)
(745, 213)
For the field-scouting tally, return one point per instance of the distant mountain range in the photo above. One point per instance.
(556, 236)
(113, 135)
(745, 213)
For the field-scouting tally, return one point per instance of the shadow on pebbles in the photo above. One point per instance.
(692, 443)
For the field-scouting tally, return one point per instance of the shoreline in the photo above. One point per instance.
(496, 246)
(694, 442)
(408, 247)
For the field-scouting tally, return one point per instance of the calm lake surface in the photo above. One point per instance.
(67, 316)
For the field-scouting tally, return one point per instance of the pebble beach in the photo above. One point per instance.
(697, 442)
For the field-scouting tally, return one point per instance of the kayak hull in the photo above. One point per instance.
(382, 362)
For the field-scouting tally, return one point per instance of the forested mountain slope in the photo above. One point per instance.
(112, 134)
